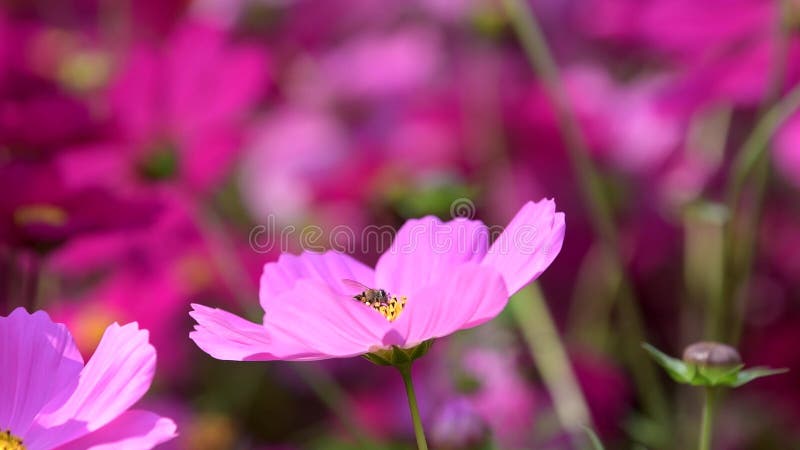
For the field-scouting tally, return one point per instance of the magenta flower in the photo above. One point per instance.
(50, 400)
(439, 278)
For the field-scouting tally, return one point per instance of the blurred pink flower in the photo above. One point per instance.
(38, 115)
(50, 400)
(46, 211)
(458, 426)
(147, 278)
(380, 65)
(288, 156)
(638, 134)
(444, 276)
(717, 56)
(505, 401)
(180, 108)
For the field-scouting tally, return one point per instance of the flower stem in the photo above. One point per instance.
(539, 330)
(419, 431)
(708, 419)
(533, 41)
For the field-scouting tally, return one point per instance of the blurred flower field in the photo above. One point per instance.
(503, 199)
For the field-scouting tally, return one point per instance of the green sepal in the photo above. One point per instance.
(677, 369)
(378, 359)
(708, 376)
(746, 376)
(398, 356)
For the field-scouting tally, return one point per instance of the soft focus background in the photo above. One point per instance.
(142, 142)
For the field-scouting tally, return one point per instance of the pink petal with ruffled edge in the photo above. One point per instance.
(327, 323)
(229, 337)
(132, 430)
(425, 251)
(528, 245)
(40, 365)
(468, 296)
(329, 268)
(117, 375)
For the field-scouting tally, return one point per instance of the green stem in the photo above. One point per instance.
(419, 431)
(755, 147)
(539, 330)
(751, 162)
(707, 427)
(534, 43)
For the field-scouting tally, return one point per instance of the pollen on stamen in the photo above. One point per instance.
(391, 309)
(10, 442)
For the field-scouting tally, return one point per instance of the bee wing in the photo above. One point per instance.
(355, 286)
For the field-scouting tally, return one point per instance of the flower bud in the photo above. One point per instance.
(711, 354)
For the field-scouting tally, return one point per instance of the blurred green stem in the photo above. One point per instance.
(541, 334)
(707, 426)
(419, 431)
(741, 232)
(533, 41)
(755, 147)
(704, 265)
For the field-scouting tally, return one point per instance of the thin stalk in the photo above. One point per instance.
(539, 330)
(750, 162)
(707, 426)
(755, 147)
(535, 45)
(419, 431)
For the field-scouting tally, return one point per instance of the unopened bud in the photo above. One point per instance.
(711, 354)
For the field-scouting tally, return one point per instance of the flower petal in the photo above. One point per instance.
(324, 323)
(468, 296)
(39, 365)
(229, 337)
(425, 250)
(117, 375)
(330, 268)
(530, 242)
(132, 430)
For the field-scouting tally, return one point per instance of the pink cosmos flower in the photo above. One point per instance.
(50, 400)
(178, 111)
(440, 277)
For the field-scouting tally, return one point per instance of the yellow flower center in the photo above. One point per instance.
(10, 442)
(40, 214)
(390, 309)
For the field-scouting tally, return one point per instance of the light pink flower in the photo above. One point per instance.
(445, 276)
(50, 400)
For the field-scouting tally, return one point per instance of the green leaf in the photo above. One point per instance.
(677, 369)
(746, 376)
(596, 444)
